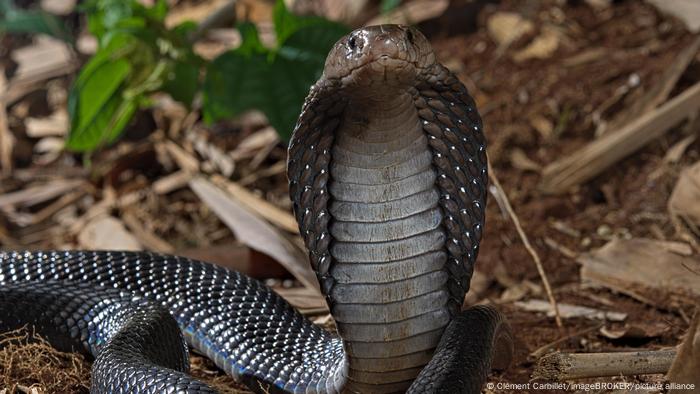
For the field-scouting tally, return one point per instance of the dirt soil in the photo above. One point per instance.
(535, 110)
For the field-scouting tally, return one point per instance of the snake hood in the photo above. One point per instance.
(387, 172)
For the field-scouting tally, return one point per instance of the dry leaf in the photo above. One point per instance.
(644, 269)
(254, 231)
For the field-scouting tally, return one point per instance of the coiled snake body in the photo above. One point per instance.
(387, 173)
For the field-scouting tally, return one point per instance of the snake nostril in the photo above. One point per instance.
(409, 36)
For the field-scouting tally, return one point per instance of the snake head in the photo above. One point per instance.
(382, 56)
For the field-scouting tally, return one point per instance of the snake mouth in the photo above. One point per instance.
(382, 70)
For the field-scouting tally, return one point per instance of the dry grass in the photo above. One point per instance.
(28, 364)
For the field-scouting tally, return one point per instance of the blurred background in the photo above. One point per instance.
(162, 125)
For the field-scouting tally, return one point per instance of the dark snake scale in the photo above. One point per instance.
(387, 171)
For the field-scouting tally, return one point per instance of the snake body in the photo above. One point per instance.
(387, 171)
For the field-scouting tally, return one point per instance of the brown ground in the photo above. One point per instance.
(542, 109)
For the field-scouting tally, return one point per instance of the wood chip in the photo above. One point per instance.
(254, 231)
(37, 194)
(542, 47)
(184, 160)
(46, 53)
(176, 180)
(107, 233)
(249, 146)
(644, 269)
(569, 311)
(587, 56)
(55, 125)
(145, 236)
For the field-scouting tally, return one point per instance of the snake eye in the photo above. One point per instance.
(352, 42)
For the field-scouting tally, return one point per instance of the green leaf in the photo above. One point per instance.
(184, 30)
(182, 81)
(108, 17)
(312, 43)
(95, 102)
(250, 39)
(238, 81)
(286, 23)
(15, 20)
(159, 10)
(389, 5)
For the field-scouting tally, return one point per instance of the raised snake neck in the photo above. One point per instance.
(387, 174)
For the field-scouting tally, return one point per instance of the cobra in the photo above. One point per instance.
(387, 174)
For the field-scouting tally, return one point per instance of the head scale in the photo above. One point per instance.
(380, 56)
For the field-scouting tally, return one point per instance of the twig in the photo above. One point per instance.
(221, 17)
(526, 242)
(565, 366)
